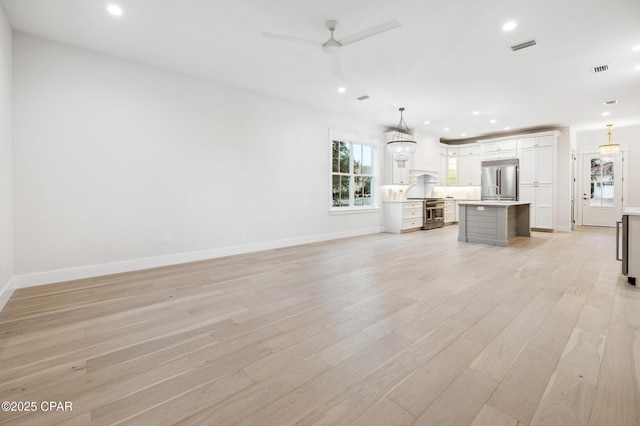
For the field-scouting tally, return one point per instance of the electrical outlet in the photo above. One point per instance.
(166, 238)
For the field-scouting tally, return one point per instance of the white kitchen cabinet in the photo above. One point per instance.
(469, 171)
(460, 166)
(400, 175)
(537, 178)
(449, 212)
(469, 150)
(541, 198)
(499, 149)
(536, 142)
(402, 216)
(444, 166)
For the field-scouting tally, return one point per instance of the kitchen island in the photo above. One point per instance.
(493, 222)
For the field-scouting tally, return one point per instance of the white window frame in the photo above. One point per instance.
(372, 142)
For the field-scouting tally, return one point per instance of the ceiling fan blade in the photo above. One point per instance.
(335, 64)
(292, 39)
(380, 28)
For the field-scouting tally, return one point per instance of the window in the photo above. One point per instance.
(352, 174)
(602, 183)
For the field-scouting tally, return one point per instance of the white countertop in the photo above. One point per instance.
(494, 203)
(632, 211)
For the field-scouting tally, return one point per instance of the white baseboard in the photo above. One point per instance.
(6, 292)
(55, 276)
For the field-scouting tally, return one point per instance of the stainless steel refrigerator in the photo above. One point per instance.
(499, 179)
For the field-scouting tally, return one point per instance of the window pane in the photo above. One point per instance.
(344, 157)
(594, 196)
(362, 191)
(367, 160)
(344, 191)
(366, 191)
(607, 183)
(335, 156)
(335, 190)
(357, 159)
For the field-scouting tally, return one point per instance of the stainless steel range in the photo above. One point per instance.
(433, 214)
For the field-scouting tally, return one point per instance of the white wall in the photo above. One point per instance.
(111, 155)
(6, 162)
(629, 140)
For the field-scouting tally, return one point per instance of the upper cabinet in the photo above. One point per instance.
(537, 160)
(460, 166)
(498, 149)
(469, 171)
(443, 169)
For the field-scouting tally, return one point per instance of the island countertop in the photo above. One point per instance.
(505, 203)
(632, 211)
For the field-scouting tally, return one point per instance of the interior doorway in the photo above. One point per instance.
(602, 192)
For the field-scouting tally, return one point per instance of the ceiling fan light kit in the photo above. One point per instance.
(402, 146)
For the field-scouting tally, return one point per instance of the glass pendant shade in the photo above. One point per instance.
(402, 147)
(609, 149)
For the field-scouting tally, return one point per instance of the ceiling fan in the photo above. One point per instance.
(332, 46)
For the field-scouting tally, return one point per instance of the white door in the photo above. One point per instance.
(601, 190)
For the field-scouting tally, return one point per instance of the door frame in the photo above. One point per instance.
(581, 179)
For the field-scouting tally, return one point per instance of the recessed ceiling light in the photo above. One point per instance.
(341, 89)
(507, 128)
(636, 48)
(475, 113)
(492, 121)
(114, 9)
(508, 26)
(463, 134)
(427, 122)
(604, 114)
(446, 128)
(637, 68)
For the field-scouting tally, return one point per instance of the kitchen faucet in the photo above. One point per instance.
(497, 191)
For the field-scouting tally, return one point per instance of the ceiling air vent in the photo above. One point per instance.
(523, 45)
(601, 68)
(613, 102)
(363, 98)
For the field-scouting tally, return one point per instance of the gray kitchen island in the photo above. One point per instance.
(493, 222)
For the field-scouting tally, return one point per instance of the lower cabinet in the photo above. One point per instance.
(541, 198)
(402, 216)
(449, 211)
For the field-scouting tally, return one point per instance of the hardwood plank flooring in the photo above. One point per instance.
(382, 329)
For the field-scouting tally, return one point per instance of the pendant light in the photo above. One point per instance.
(402, 145)
(609, 148)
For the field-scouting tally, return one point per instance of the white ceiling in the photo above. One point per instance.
(448, 58)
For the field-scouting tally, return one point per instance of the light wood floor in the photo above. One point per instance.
(376, 330)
